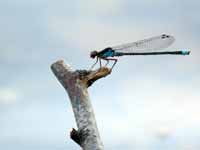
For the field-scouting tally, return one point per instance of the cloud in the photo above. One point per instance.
(99, 7)
(142, 106)
(8, 96)
(88, 33)
(145, 110)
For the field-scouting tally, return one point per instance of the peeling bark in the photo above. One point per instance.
(76, 84)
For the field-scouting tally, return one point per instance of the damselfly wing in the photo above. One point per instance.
(151, 44)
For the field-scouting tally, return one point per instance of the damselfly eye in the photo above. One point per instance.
(93, 54)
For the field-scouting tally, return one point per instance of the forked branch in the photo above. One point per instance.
(76, 84)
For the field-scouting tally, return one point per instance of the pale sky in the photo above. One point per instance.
(147, 103)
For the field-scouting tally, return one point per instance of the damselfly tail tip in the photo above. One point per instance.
(184, 52)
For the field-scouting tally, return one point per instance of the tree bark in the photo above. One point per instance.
(76, 84)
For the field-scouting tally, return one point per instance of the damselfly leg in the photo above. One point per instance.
(94, 63)
(112, 59)
(98, 59)
(107, 61)
(100, 62)
(114, 63)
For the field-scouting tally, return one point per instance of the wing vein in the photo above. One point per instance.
(151, 44)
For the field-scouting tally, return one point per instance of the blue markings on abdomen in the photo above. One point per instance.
(185, 52)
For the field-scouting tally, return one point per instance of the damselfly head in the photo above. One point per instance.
(93, 54)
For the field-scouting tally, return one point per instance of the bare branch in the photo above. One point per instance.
(76, 84)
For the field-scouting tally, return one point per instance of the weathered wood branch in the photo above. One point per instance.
(76, 84)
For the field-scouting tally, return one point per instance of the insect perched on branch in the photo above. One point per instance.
(150, 46)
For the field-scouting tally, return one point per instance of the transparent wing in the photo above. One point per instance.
(150, 44)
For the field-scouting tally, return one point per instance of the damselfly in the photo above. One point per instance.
(150, 46)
